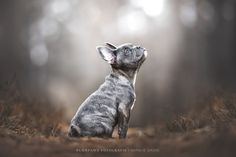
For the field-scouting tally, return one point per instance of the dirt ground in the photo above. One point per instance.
(200, 142)
(28, 128)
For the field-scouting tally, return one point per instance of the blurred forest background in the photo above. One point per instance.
(48, 48)
(186, 89)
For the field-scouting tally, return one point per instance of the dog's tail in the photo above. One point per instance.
(74, 131)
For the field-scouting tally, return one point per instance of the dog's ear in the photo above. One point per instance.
(107, 54)
(110, 45)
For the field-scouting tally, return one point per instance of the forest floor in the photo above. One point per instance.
(28, 129)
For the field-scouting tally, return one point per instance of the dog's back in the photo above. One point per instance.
(97, 116)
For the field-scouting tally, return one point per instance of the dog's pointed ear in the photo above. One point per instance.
(107, 54)
(110, 45)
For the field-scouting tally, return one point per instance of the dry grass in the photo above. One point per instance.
(219, 111)
(22, 116)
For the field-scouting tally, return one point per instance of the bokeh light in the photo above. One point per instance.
(39, 54)
(131, 22)
(188, 13)
(150, 7)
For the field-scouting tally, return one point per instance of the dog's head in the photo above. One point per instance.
(124, 57)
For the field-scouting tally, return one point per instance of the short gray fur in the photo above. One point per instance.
(112, 102)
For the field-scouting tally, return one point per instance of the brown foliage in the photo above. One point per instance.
(219, 111)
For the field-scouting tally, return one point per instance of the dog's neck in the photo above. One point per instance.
(128, 74)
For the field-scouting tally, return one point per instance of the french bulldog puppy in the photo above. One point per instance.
(112, 102)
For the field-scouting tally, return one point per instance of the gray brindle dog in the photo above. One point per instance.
(112, 102)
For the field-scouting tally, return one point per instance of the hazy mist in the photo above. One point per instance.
(49, 47)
